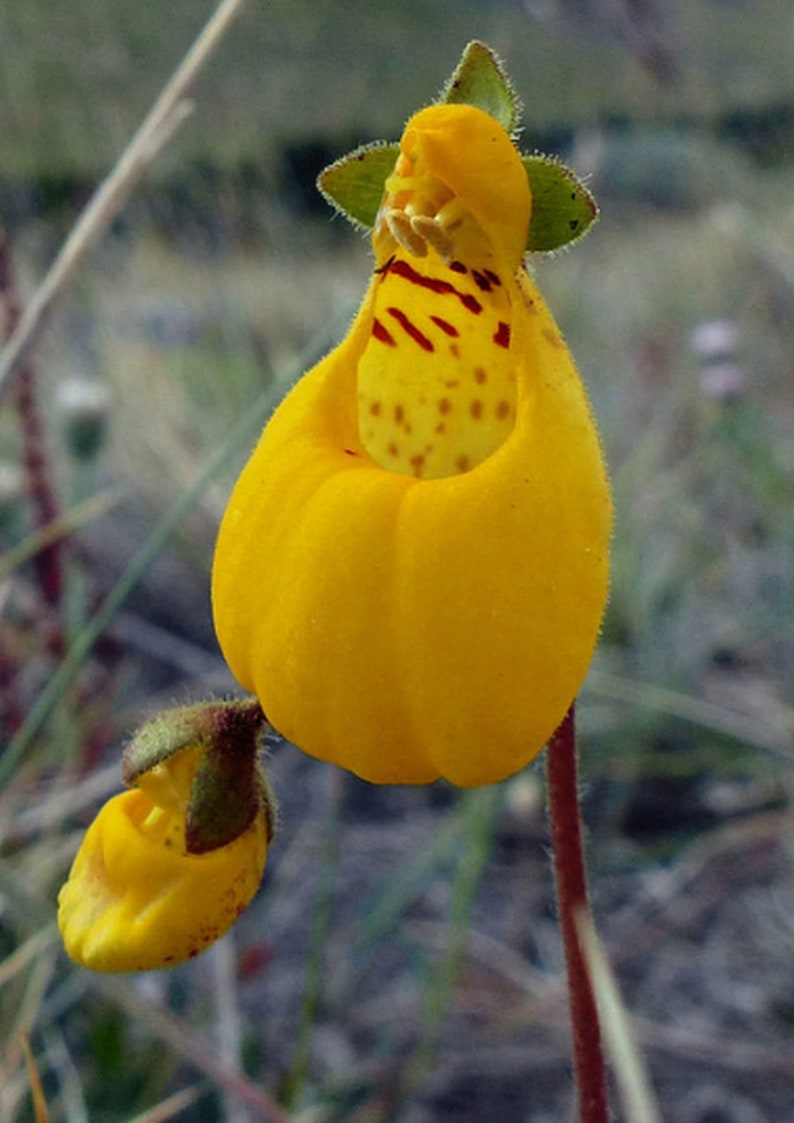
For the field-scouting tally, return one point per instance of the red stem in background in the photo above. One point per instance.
(572, 900)
(48, 562)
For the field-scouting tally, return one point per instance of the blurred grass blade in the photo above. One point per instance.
(476, 817)
(639, 1103)
(40, 1111)
(173, 1106)
(54, 531)
(19, 958)
(59, 683)
(772, 735)
(314, 973)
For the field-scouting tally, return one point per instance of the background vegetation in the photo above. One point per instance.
(402, 959)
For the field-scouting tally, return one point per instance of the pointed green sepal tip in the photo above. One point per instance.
(167, 733)
(562, 207)
(354, 185)
(480, 80)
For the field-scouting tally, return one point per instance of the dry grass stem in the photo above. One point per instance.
(185, 1043)
(639, 1103)
(168, 112)
(173, 1106)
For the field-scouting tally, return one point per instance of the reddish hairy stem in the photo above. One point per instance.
(44, 502)
(572, 900)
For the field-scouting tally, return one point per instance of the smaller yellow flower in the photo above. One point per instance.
(136, 899)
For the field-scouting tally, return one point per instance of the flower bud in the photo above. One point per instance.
(166, 868)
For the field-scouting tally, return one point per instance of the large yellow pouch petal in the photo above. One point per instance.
(431, 611)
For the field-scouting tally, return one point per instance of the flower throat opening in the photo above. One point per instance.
(436, 385)
(167, 788)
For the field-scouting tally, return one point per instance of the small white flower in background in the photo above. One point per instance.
(84, 407)
(715, 344)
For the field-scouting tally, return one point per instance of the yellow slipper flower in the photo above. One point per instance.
(412, 568)
(136, 899)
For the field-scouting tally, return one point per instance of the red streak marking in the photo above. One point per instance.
(470, 303)
(411, 329)
(501, 336)
(403, 269)
(482, 282)
(382, 334)
(448, 328)
(458, 267)
(492, 277)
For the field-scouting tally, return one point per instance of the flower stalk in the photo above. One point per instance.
(573, 902)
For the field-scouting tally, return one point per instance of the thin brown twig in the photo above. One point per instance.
(165, 116)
